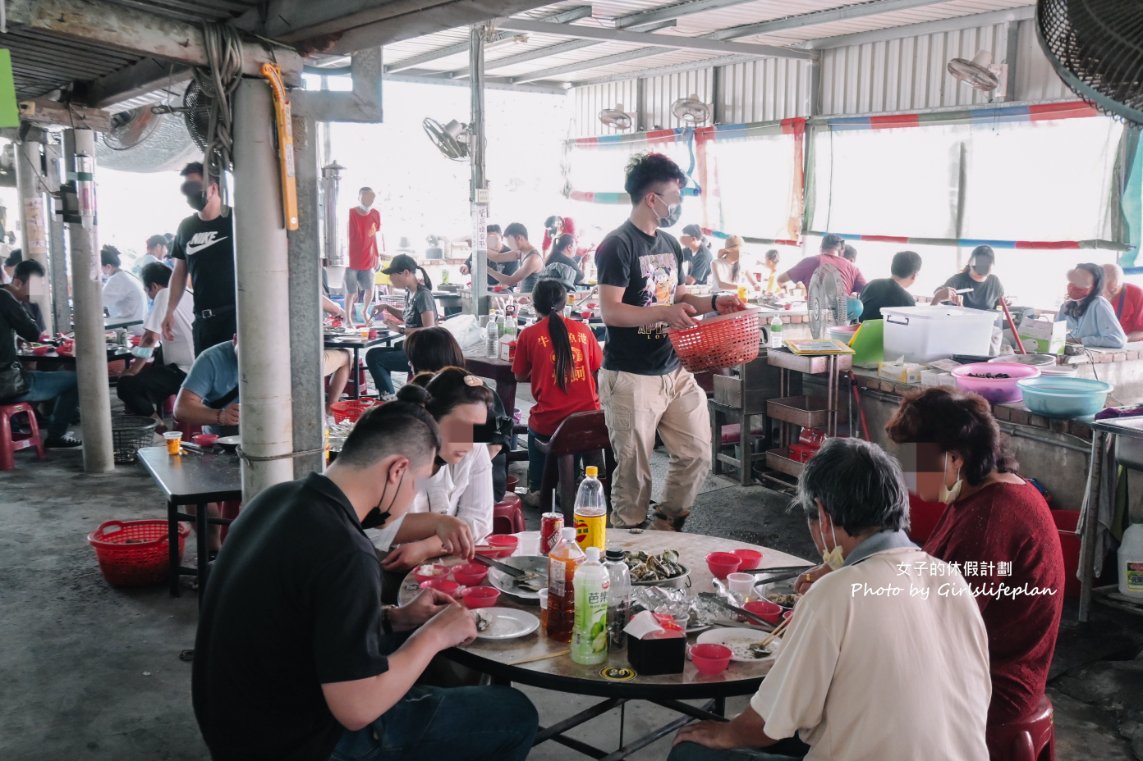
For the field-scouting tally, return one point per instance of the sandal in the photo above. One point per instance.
(663, 522)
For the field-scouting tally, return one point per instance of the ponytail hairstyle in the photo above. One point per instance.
(562, 245)
(549, 298)
(425, 277)
(440, 393)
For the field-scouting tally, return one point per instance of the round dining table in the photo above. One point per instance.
(538, 661)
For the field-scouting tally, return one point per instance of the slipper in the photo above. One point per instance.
(663, 522)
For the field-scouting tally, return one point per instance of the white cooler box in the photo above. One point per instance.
(925, 333)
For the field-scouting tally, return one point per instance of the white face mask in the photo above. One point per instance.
(835, 557)
(948, 496)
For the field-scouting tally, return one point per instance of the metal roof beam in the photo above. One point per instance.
(929, 27)
(137, 80)
(826, 16)
(653, 40)
(677, 11)
(412, 62)
(596, 63)
(678, 68)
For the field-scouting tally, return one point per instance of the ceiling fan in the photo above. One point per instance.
(451, 139)
(979, 73)
(691, 110)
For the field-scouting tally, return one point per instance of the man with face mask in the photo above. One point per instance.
(364, 254)
(642, 386)
(203, 251)
(885, 658)
(296, 658)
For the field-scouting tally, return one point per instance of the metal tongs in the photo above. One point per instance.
(780, 573)
(755, 620)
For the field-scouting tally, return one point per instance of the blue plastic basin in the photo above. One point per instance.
(1064, 397)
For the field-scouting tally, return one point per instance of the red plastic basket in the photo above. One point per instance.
(720, 341)
(351, 409)
(134, 553)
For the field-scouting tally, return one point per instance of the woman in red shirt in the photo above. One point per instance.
(560, 358)
(997, 528)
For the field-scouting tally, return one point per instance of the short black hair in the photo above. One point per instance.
(194, 167)
(14, 257)
(905, 264)
(389, 429)
(157, 240)
(849, 252)
(832, 242)
(493, 229)
(649, 169)
(859, 485)
(515, 229)
(109, 256)
(155, 273)
(773, 256)
(363, 189)
(25, 269)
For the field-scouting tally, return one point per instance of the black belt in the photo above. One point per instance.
(207, 314)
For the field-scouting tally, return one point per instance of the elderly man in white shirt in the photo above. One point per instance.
(123, 295)
(886, 658)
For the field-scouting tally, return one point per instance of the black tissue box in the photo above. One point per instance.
(657, 656)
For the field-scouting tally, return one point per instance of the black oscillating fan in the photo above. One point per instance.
(1096, 46)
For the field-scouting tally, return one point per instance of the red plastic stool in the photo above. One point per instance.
(507, 516)
(1032, 738)
(9, 443)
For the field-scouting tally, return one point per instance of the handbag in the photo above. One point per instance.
(13, 381)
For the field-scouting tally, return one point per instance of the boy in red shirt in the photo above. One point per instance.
(364, 256)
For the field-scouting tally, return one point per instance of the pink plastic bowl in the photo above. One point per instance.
(450, 588)
(995, 390)
(437, 572)
(480, 597)
(751, 559)
(722, 564)
(710, 659)
(204, 439)
(766, 610)
(499, 546)
(469, 574)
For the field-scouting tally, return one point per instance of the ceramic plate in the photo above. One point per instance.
(739, 641)
(506, 623)
(229, 442)
(504, 582)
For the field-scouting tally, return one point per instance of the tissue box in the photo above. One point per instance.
(908, 373)
(1044, 336)
(657, 656)
(930, 378)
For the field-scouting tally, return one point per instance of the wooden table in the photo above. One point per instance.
(191, 479)
(500, 371)
(356, 342)
(515, 660)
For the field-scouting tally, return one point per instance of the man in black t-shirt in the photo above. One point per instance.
(642, 387)
(204, 249)
(892, 291)
(295, 657)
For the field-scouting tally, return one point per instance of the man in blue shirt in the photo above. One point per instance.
(209, 396)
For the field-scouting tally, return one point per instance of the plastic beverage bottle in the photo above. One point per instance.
(618, 598)
(776, 332)
(493, 331)
(591, 512)
(563, 561)
(1131, 562)
(589, 633)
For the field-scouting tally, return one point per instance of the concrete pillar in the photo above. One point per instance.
(478, 195)
(305, 305)
(90, 351)
(261, 252)
(31, 185)
(57, 237)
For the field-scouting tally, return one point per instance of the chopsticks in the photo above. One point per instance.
(779, 629)
(536, 658)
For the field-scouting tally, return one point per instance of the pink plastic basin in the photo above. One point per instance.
(995, 390)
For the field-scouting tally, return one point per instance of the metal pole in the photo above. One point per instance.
(479, 186)
(261, 252)
(90, 351)
(57, 238)
(31, 186)
(305, 305)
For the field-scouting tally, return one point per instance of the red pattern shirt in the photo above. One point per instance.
(534, 354)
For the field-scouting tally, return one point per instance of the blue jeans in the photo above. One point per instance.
(61, 386)
(783, 750)
(384, 360)
(536, 459)
(459, 723)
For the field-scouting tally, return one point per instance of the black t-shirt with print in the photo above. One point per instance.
(208, 250)
(648, 268)
(293, 602)
(416, 304)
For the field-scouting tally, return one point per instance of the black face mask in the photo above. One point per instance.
(376, 518)
(982, 266)
(196, 195)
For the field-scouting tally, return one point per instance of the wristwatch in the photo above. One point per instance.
(714, 302)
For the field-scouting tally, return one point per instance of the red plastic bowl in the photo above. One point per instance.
(766, 610)
(499, 545)
(480, 597)
(710, 659)
(423, 573)
(204, 439)
(787, 615)
(40, 351)
(722, 564)
(751, 559)
(469, 574)
(450, 588)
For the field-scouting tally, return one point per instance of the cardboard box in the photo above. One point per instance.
(930, 378)
(908, 373)
(1044, 336)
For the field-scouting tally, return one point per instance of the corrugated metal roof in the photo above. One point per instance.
(605, 12)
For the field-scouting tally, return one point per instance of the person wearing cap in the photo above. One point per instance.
(983, 290)
(830, 256)
(696, 255)
(1126, 299)
(420, 312)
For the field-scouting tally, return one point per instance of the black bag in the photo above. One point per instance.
(13, 382)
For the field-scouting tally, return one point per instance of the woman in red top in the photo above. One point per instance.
(997, 528)
(560, 358)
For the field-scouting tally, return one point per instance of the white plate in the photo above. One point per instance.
(737, 640)
(507, 623)
(503, 581)
(229, 441)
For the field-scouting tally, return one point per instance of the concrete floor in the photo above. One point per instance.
(91, 672)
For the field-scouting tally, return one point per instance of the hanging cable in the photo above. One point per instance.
(218, 82)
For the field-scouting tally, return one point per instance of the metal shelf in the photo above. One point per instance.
(779, 460)
(806, 411)
(811, 365)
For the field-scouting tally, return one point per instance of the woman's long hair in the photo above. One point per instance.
(1079, 308)
(425, 277)
(549, 297)
(440, 393)
(562, 245)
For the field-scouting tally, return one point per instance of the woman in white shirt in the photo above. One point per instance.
(461, 485)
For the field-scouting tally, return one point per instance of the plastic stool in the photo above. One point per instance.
(9, 443)
(507, 516)
(1032, 738)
